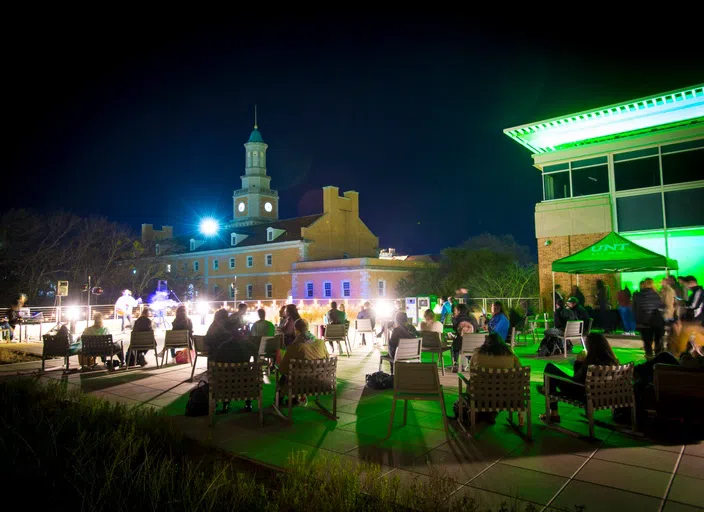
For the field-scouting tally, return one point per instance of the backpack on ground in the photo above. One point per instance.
(552, 346)
(198, 400)
(380, 380)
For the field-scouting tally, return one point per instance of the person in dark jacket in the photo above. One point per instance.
(182, 323)
(602, 298)
(647, 307)
(563, 314)
(576, 292)
(219, 331)
(402, 330)
(463, 322)
(579, 312)
(237, 322)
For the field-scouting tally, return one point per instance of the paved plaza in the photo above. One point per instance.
(554, 472)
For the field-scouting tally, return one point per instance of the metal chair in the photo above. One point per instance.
(417, 381)
(362, 326)
(433, 343)
(235, 381)
(308, 378)
(337, 333)
(141, 341)
(408, 350)
(574, 330)
(99, 346)
(175, 339)
(470, 342)
(55, 346)
(200, 349)
(268, 347)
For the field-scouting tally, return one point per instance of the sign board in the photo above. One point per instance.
(62, 289)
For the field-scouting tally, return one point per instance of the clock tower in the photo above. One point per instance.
(255, 202)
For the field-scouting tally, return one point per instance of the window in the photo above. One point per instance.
(309, 290)
(250, 261)
(556, 185)
(193, 245)
(382, 287)
(156, 249)
(268, 259)
(249, 291)
(637, 213)
(196, 266)
(327, 289)
(168, 267)
(216, 264)
(683, 208)
(682, 167)
(232, 290)
(346, 290)
(269, 236)
(641, 173)
(232, 262)
(269, 290)
(590, 180)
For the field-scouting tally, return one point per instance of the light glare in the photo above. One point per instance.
(209, 226)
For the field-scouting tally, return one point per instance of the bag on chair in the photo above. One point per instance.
(182, 356)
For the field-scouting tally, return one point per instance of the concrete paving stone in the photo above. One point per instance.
(458, 466)
(696, 449)
(147, 394)
(659, 460)
(389, 453)
(560, 464)
(691, 466)
(598, 497)
(128, 390)
(673, 506)
(523, 484)
(687, 490)
(486, 500)
(618, 439)
(627, 478)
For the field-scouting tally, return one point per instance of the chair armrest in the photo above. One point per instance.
(463, 378)
(548, 376)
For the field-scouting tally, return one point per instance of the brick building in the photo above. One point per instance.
(636, 168)
(271, 258)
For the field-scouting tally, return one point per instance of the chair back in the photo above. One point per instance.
(574, 328)
(510, 337)
(335, 332)
(431, 339)
(142, 340)
(176, 339)
(471, 342)
(55, 345)
(532, 322)
(363, 325)
(268, 345)
(416, 378)
(312, 378)
(409, 349)
(610, 386)
(500, 389)
(199, 344)
(98, 345)
(235, 381)
(589, 327)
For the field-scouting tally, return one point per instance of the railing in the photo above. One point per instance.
(267, 191)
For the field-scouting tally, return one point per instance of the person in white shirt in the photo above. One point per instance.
(430, 324)
(124, 307)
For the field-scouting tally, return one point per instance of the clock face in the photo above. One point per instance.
(267, 206)
(240, 207)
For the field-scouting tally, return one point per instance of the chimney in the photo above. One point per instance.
(147, 232)
(330, 195)
(353, 197)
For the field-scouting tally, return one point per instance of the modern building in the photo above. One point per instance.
(331, 255)
(636, 168)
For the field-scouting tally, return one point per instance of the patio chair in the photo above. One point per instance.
(337, 333)
(589, 327)
(574, 331)
(200, 349)
(268, 347)
(236, 382)
(470, 342)
(99, 346)
(142, 341)
(363, 326)
(496, 390)
(527, 327)
(175, 339)
(432, 342)
(606, 387)
(417, 381)
(511, 337)
(55, 346)
(408, 350)
(5, 334)
(308, 378)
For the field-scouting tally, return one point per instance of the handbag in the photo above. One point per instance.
(182, 356)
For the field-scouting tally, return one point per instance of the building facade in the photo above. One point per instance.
(636, 168)
(258, 256)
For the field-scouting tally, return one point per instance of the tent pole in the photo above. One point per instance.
(553, 292)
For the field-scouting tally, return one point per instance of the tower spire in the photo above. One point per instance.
(256, 126)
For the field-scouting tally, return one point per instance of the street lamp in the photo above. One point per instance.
(209, 226)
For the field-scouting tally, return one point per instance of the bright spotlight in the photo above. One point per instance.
(209, 226)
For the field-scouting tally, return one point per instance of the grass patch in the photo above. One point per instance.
(10, 356)
(66, 450)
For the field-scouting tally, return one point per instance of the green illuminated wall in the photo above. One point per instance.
(684, 245)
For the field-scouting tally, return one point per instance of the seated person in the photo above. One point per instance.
(598, 353)
(235, 349)
(463, 323)
(98, 329)
(367, 313)
(305, 346)
(563, 314)
(74, 347)
(402, 330)
(262, 327)
(579, 312)
(182, 323)
(499, 322)
(142, 324)
(219, 331)
(430, 324)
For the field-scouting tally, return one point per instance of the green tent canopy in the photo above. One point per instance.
(613, 253)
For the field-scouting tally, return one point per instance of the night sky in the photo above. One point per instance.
(143, 122)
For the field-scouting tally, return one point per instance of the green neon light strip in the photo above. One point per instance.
(663, 110)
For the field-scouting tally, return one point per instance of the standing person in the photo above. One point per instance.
(624, 309)
(289, 328)
(13, 318)
(682, 293)
(237, 321)
(649, 320)
(367, 313)
(499, 321)
(282, 316)
(695, 303)
(557, 298)
(263, 327)
(182, 323)
(446, 309)
(576, 292)
(124, 307)
(602, 298)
